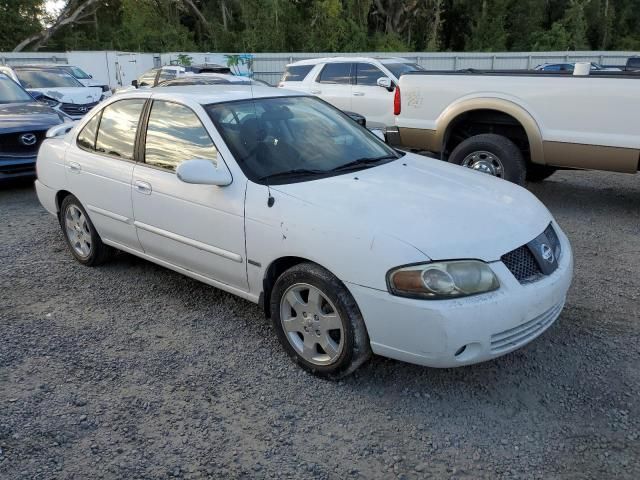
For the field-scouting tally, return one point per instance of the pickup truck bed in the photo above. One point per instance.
(549, 119)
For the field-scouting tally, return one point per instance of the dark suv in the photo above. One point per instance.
(23, 125)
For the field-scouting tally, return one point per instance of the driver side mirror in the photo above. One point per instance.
(134, 83)
(385, 82)
(204, 172)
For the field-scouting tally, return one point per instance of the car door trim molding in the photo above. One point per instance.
(108, 214)
(188, 241)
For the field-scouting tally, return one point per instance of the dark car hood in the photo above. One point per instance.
(15, 117)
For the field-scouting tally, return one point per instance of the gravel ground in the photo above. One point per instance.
(132, 371)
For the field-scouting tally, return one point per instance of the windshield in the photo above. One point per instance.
(79, 73)
(292, 139)
(46, 79)
(399, 68)
(10, 91)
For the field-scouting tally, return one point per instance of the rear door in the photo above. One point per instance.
(99, 168)
(196, 227)
(373, 102)
(333, 84)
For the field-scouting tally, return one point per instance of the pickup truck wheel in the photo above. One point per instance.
(81, 236)
(538, 173)
(492, 154)
(318, 322)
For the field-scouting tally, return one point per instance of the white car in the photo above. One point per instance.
(350, 246)
(78, 73)
(56, 88)
(363, 85)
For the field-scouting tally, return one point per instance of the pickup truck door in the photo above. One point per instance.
(197, 227)
(99, 167)
(369, 100)
(333, 84)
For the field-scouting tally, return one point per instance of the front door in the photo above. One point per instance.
(197, 227)
(100, 167)
(369, 100)
(333, 84)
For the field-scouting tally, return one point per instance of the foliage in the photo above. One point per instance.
(333, 25)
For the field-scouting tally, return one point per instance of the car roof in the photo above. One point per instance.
(204, 94)
(315, 61)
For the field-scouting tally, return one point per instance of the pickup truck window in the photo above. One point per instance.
(367, 74)
(337, 73)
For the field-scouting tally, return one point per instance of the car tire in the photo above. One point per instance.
(538, 173)
(493, 154)
(81, 236)
(305, 324)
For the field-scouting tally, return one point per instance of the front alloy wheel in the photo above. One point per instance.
(312, 324)
(318, 322)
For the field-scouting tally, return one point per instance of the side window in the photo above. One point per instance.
(118, 127)
(148, 78)
(367, 74)
(167, 75)
(339, 73)
(296, 73)
(175, 134)
(87, 136)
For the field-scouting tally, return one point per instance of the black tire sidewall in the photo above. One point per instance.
(515, 168)
(345, 305)
(96, 242)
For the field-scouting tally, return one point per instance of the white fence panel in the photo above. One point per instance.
(120, 68)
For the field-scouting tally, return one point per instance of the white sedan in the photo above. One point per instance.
(350, 246)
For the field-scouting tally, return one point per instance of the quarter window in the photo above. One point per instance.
(367, 74)
(118, 127)
(339, 73)
(175, 134)
(87, 136)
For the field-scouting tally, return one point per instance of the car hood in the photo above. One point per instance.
(16, 117)
(443, 210)
(79, 95)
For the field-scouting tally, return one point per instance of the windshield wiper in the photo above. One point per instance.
(294, 172)
(363, 163)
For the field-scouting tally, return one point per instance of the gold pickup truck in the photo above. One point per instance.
(521, 125)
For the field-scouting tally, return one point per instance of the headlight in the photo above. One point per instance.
(49, 101)
(441, 280)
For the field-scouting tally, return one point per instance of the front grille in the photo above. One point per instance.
(517, 336)
(525, 265)
(13, 144)
(76, 109)
(522, 264)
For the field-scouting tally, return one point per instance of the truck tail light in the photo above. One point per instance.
(396, 101)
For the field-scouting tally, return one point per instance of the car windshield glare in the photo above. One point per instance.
(10, 92)
(300, 136)
(46, 79)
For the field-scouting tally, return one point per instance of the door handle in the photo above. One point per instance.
(142, 187)
(315, 92)
(358, 94)
(75, 167)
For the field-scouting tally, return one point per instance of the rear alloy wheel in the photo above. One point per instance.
(318, 322)
(81, 236)
(492, 154)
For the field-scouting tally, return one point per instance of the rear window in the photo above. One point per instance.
(336, 73)
(296, 73)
